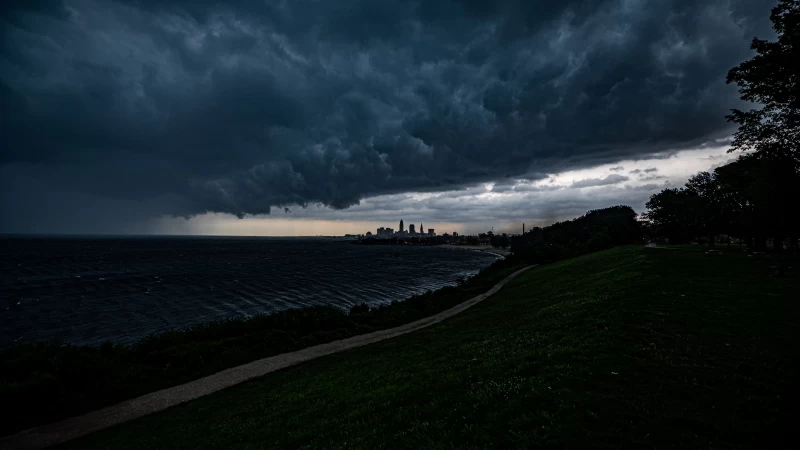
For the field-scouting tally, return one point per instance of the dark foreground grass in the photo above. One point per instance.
(47, 382)
(629, 347)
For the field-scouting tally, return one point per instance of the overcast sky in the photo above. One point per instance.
(311, 117)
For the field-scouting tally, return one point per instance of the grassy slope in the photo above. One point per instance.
(627, 347)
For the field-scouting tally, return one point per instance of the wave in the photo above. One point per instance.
(92, 290)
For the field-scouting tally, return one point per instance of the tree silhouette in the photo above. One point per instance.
(761, 193)
(753, 197)
(676, 214)
(596, 230)
(771, 79)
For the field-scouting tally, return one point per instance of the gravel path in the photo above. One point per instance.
(75, 427)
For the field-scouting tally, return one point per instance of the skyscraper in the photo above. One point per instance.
(411, 229)
(401, 225)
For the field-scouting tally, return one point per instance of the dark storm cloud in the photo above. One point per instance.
(240, 106)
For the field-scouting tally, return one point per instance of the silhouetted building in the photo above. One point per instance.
(388, 233)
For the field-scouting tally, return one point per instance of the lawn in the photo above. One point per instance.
(621, 348)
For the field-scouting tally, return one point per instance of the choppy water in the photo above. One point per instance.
(91, 290)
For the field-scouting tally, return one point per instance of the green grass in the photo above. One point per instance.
(622, 348)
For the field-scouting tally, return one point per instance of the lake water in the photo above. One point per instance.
(91, 290)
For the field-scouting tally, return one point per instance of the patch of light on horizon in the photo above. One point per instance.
(681, 164)
(473, 208)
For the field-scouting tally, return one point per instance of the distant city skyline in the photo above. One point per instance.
(387, 232)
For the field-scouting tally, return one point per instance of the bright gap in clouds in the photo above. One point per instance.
(504, 205)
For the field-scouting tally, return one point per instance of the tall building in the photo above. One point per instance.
(411, 229)
(431, 233)
(401, 226)
(421, 229)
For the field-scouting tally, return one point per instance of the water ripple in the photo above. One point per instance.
(89, 290)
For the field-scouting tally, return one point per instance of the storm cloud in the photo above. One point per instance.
(186, 107)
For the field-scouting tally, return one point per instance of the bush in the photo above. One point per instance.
(361, 308)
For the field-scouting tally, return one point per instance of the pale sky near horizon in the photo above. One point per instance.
(558, 197)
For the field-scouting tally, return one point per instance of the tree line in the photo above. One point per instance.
(596, 230)
(755, 197)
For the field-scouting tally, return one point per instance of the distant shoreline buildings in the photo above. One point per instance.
(388, 233)
(420, 236)
(429, 237)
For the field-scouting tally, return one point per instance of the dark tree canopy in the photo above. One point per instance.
(751, 197)
(763, 194)
(771, 80)
(596, 230)
(676, 214)
(755, 196)
(711, 203)
(500, 240)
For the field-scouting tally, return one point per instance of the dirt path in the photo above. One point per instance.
(75, 427)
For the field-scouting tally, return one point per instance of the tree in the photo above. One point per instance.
(771, 79)
(755, 195)
(596, 230)
(676, 214)
(751, 197)
(768, 177)
(500, 240)
(760, 194)
(718, 206)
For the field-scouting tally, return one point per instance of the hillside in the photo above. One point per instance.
(625, 347)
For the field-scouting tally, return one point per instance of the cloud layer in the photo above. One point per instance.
(504, 206)
(186, 107)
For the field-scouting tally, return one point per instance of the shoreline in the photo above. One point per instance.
(232, 342)
(125, 411)
(483, 248)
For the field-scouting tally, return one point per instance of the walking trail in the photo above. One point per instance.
(75, 427)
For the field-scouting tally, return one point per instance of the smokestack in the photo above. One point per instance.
(523, 228)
